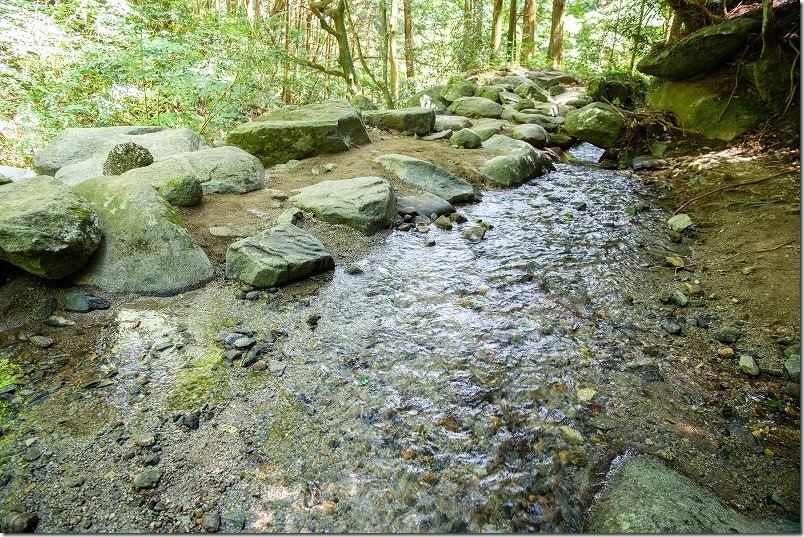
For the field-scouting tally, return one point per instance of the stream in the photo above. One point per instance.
(461, 387)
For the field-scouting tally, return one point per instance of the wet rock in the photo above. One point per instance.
(647, 163)
(424, 203)
(727, 334)
(31, 454)
(429, 241)
(58, 321)
(679, 298)
(443, 222)
(147, 479)
(520, 163)
(257, 352)
(748, 365)
(41, 341)
(191, 420)
(352, 269)
(646, 496)
(457, 218)
(144, 440)
(211, 521)
(670, 326)
(244, 343)
(596, 123)
(81, 302)
(17, 522)
(474, 233)
(277, 256)
(430, 178)
(126, 156)
(793, 367)
(313, 319)
(679, 222)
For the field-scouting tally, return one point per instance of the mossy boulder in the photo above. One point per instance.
(535, 135)
(220, 170)
(702, 51)
(182, 191)
(705, 106)
(429, 98)
(294, 132)
(476, 107)
(534, 92)
(46, 227)
(597, 123)
(466, 139)
(280, 255)
(362, 203)
(491, 92)
(126, 156)
(456, 88)
(361, 102)
(416, 120)
(146, 248)
(519, 163)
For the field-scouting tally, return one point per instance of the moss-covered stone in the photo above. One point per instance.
(300, 132)
(182, 191)
(456, 88)
(596, 123)
(415, 120)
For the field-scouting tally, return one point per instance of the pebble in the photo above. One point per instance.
(74, 482)
(725, 352)
(31, 454)
(443, 222)
(147, 479)
(277, 368)
(191, 420)
(259, 365)
(674, 261)
(81, 302)
(313, 319)
(220, 231)
(748, 365)
(670, 326)
(41, 341)
(144, 439)
(679, 298)
(474, 233)
(458, 218)
(352, 269)
(211, 521)
(253, 295)
(429, 241)
(727, 334)
(275, 194)
(679, 222)
(244, 342)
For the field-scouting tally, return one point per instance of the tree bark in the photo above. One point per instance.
(330, 14)
(496, 28)
(556, 33)
(409, 63)
(770, 47)
(528, 30)
(511, 37)
(637, 36)
(392, 53)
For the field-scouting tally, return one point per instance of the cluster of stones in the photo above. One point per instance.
(99, 208)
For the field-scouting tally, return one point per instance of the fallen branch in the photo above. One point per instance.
(755, 181)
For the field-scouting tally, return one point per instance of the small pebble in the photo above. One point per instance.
(725, 352)
(41, 341)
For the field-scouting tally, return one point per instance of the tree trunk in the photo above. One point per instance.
(330, 15)
(556, 33)
(511, 37)
(409, 64)
(392, 54)
(384, 34)
(528, 29)
(496, 28)
(637, 36)
(770, 47)
(253, 11)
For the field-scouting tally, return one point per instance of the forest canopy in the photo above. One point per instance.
(210, 64)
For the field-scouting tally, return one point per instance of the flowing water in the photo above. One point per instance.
(445, 388)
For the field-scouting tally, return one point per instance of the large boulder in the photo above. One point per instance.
(645, 496)
(549, 123)
(453, 123)
(415, 120)
(126, 156)
(363, 203)
(476, 107)
(277, 256)
(704, 106)
(429, 98)
(456, 88)
(701, 51)
(490, 92)
(429, 177)
(510, 81)
(221, 170)
(295, 132)
(146, 249)
(520, 163)
(535, 135)
(531, 90)
(596, 123)
(10, 173)
(46, 227)
(74, 146)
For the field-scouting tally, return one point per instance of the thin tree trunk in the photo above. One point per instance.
(556, 33)
(392, 53)
(409, 64)
(496, 28)
(637, 36)
(511, 37)
(384, 47)
(528, 29)
(326, 10)
(770, 48)
(253, 11)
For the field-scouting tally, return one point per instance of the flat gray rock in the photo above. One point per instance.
(416, 120)
(426, 204)
(277, 256)
(146, 248)
(429, 178)
(645, 496)
(72, 147)
(363, 203)
(46, 227)
(220, 170)
(11, 174)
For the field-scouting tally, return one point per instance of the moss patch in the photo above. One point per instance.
(203, 381)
